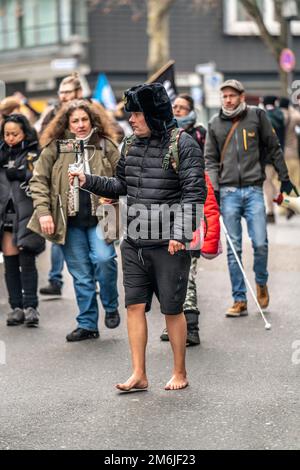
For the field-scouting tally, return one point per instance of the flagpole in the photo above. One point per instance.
(151, 79)
(160, 71)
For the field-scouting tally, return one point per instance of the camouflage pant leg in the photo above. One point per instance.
(191, 293)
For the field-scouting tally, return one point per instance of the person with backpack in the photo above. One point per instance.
(238, 139)
(88, 256)
(19, 149)
(184, 112)
(291, 150)
(154, 255)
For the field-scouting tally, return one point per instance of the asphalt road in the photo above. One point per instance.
(244, 380)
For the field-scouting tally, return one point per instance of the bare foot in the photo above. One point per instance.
(177, 382)
(134, 383)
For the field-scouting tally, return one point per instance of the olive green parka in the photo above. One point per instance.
(49, 184)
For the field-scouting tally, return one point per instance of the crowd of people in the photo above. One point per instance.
(235, 168)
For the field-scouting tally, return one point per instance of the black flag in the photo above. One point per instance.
(166, 76)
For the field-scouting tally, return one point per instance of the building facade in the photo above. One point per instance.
(41, 41)
(44, 40)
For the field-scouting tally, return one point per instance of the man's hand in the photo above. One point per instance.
(47, 224)
(81, 178)
(175, 246)
(105, 200)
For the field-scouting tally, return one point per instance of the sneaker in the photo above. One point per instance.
(53, 288)
(270, 218)
(112, 319)
(262, 295)
(81, 334)
(239, 309)
(31, 316)
(16, 317)
(164, 336)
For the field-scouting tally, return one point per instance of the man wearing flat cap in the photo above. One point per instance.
(238, 140)
(154, 257)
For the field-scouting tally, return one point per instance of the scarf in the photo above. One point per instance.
(86, 165)
(86, 169)
(232, 113)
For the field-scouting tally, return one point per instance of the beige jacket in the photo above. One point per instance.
(292, 119)
(50, 188)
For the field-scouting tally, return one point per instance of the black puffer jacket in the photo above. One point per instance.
(151, 190)
(15, 172)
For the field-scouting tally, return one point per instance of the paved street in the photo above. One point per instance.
(244, 386)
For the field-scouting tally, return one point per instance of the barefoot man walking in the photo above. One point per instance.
(154, 254)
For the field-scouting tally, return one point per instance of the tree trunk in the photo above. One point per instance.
(275, 44)
(283, 82)
(158, 33)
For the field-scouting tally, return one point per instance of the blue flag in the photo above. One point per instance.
(104, 94)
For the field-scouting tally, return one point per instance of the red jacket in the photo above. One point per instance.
(211, 245)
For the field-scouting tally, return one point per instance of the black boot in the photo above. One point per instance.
(112, 319)
(53, 288)
(12, 274)
(192, 321)
(81, 334)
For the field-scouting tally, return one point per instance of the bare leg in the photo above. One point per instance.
(7, 245)
(176, 326)
(137, 335)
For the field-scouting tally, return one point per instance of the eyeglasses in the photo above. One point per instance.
(179, 107)
(66, 92)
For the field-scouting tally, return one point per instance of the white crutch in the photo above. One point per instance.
(267, 324)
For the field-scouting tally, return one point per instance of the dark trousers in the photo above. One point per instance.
(21, 279)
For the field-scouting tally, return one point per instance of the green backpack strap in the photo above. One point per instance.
(128, 141)
(173, 153)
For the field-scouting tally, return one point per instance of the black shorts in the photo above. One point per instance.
(154, 270)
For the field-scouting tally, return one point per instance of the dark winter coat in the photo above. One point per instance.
(15, 173)
(276, 117)
(245, 158)
(140, 175)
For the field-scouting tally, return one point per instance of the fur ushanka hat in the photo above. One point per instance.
(152, 100)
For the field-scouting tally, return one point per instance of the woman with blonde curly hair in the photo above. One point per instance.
(88, 256)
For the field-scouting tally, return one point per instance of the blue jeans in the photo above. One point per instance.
(57, 264)
(89, 259)
(245, 202)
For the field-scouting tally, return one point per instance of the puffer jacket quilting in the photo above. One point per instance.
(140, 176)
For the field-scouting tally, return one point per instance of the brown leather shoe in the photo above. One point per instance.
(262, 295)
(239, 309)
